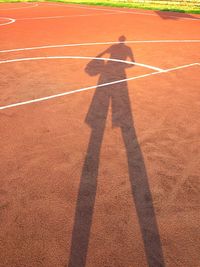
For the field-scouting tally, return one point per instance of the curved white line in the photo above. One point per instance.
(96, 43)
(10, 20)
(80, 57)
(34, 5)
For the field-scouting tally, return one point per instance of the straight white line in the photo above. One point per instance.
(97, 43)
(181, 67)
(92, 87)
(91, 15)
(50, 17)
(80, 57)
(126, 12)
(74, 91)
(69, 16)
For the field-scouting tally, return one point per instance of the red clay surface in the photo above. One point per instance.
(104, 177)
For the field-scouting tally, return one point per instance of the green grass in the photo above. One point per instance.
(170, 6)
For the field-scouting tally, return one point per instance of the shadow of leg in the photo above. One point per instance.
(85, 201)
(143, 199)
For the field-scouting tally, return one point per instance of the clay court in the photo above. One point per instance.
(99, 126)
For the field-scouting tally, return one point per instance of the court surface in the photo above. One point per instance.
(99, 137)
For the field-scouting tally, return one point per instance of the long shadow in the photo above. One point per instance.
(117, 95)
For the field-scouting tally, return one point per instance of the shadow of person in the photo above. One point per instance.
(172, 15)
(117, 95)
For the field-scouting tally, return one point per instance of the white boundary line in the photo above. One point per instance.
(74, 91)
(95, 86)
(97, 43)
(125, 12)
(83, 15)
(68, 16)
(182, 67)
(78, 15)
(10, 20)
(34, 5)
(158, 70)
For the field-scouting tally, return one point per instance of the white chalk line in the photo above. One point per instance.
(30, 6)
(94, 86)
(10, 20)
(97, 43)
(125, 12)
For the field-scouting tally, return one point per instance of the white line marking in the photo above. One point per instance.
(10, 20)
(30, 6)
(97, 14)
(126, 12)
(97, 43)
(181, 67)
(80, 57)
(74, 91)
(92, 87)
(69, 16)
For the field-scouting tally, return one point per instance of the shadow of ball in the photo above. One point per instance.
(94, 67)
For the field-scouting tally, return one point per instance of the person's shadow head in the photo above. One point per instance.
(117, 52)
(122, 39)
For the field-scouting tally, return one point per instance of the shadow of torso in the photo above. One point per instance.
(114, 94)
